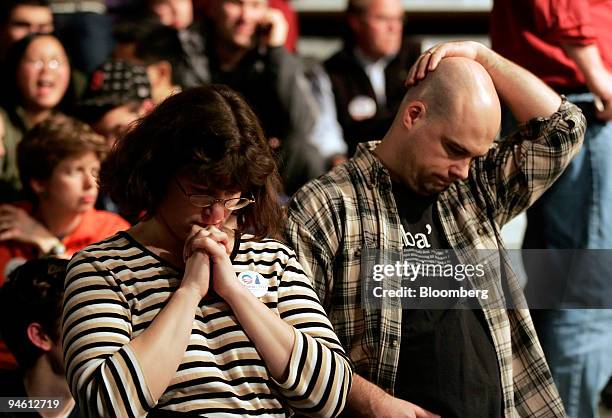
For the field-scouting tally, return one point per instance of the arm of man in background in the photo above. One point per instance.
(598, 78)
(568, 23)
(302, 161)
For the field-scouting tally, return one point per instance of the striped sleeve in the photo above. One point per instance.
(320, 374)
(103, 373)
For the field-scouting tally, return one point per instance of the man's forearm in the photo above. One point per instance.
(362, 397)
(525, 94)
(368, 400)
(588, 60)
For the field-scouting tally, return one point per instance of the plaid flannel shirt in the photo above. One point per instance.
(335, 217)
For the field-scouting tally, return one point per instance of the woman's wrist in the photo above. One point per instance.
(189, 295)
(234, 293)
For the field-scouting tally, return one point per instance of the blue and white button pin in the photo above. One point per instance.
(254, 282)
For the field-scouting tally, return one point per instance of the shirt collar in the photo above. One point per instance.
(375, 174)
(366, 61)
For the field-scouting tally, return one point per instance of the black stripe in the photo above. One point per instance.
(347, 376)
(118, 383)
(243, 411)
(94, 330)
(223, 349)
(265, 250)
(267, 263)
(88, 346)
(328, 380)
(89, 303)
(220, 395)
(301, 363)
(294, 283)
(215, 379)
(136, 378)
(301, 296)
(299, 311)
(69, 328)
(105, 397)
(315, 376)
(224, 367)
(218, 332)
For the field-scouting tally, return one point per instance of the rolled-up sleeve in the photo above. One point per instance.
(520, 168)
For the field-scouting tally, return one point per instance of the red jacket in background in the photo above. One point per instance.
(95, 226)
(530, 32)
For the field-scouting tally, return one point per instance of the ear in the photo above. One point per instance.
(146, 106)
(164, 71)
(39, 187)
(354, 22)
(160, 72)
(38, 337)
(413, 113)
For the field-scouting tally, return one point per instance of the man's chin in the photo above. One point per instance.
(244, 41)
(436, 188)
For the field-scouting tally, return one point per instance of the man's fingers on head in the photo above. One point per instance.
(415, 71)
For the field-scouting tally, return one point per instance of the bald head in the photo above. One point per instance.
(458, 85)
(445, 121)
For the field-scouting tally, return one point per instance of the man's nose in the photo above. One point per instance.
(461, 169)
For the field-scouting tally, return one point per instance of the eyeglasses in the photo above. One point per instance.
(205, 201)
(52, 64)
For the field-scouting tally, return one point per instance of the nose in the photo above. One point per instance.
(460, 170)
(248, 12)
(395, 24)
(89, 181)
(213, 214)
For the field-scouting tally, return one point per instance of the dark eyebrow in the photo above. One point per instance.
(457, 147)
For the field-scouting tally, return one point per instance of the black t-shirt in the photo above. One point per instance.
(447, 363)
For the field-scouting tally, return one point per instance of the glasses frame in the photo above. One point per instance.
(191, 196)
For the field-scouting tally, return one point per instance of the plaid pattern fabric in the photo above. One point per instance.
(333, 219)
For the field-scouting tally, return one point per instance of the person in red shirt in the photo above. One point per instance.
(58, 160)
(568, 44)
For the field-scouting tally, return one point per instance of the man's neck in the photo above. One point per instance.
(32, 117)
(42, 382)
(366, 57)
(229, 55)
(390, 160)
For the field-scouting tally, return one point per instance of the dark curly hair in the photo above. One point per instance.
(209, 134)
(32, 293)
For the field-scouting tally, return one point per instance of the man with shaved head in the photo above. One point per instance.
(438, 181)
